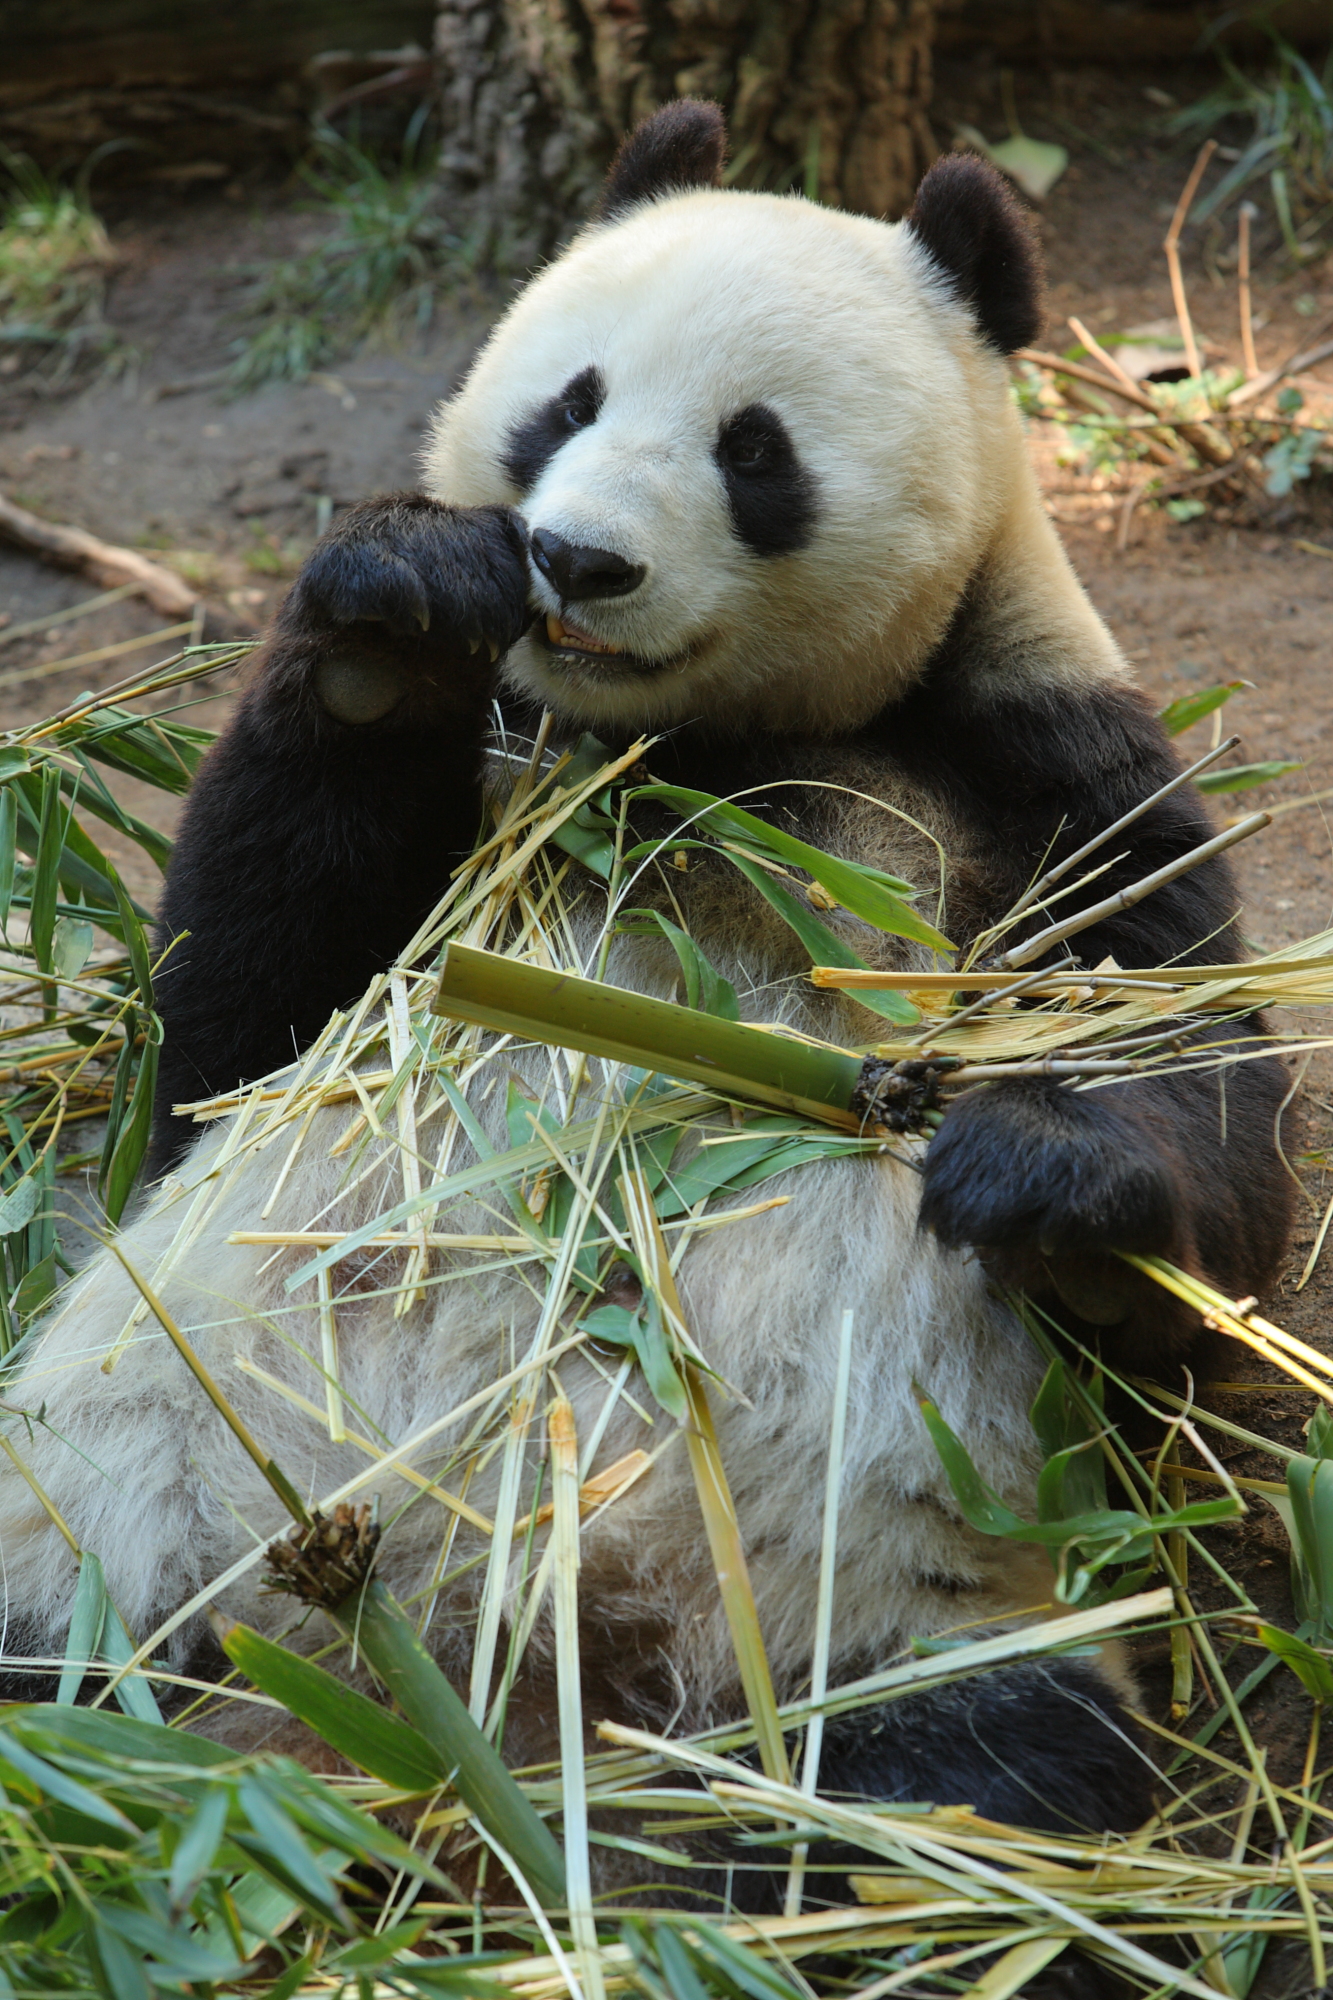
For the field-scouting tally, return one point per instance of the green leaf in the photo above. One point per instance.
(586, 837)
(1310, 1493)
(361, 1730)
(1240, 777)
(133, 1693)
(71, 946)
(9, 820)
(85, 1628)
(1311, 1669)
(867, 892)
(389, 1641)
(19, 1205)
(122, 1973)
(1187, 709)
(705, 988)
(174, 1951)
(46, 871)
(131, 1141)
(280, 1844)
(56, 1784)
(824, 948)
(200, 1838)
(36, 1287)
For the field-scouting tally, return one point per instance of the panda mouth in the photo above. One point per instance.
(571, 643)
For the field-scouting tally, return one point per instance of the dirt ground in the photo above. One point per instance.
(230, 491)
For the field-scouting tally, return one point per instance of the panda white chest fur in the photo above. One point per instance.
(744, 473)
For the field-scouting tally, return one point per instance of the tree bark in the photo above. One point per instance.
(825, 96)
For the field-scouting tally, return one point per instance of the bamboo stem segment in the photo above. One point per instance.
(496, 992)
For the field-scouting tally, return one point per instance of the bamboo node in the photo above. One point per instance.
(897, 1095)
(325, 1562)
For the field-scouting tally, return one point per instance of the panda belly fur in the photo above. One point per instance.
(146, 1474)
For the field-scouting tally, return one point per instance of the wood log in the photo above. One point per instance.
(75, 548)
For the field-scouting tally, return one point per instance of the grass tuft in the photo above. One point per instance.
(388, 254)
(54, 258)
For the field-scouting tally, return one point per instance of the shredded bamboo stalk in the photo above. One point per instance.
(569, 1690)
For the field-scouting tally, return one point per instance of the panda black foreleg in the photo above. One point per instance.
(1049, 1183)
(323, 825)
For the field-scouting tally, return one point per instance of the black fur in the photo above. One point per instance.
(969, 219)
(684, 145)
(770, 494)
(310, 850)
(532, 444)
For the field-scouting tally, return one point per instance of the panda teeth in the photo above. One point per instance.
(560, 634)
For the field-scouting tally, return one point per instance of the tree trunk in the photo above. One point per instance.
(826, 96)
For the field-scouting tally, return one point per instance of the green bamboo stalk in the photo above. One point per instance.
(492, 991)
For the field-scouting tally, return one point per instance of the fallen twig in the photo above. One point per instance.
(1294, 365)
(1172, 249)
(75, 548)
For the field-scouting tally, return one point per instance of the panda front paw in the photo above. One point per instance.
(1048, 1185)
(405, 596)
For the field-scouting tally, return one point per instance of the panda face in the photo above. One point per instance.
(759, 450)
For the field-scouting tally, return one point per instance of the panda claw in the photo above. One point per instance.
(493, 650)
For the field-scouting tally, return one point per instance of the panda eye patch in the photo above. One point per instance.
(532, 443)
(770, 494)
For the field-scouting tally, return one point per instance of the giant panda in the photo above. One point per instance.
(743, 474)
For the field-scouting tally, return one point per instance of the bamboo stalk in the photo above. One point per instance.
(569, 1690)
(1125, 899)
(1057, 874)
(524, 1000)
(271, 1471)
(715, 1501)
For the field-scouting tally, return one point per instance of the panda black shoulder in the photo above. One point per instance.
(971, 224)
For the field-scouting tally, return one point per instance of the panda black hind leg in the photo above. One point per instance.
(347, 786)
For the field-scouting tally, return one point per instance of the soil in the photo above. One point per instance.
(229, 490)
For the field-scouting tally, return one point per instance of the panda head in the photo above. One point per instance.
(760, 446)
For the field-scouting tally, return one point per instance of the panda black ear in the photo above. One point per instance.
(967, 217)
(681, 146)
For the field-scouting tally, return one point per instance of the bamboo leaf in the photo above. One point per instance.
(1187, 709)
(705, 988)
(1311, 1669)
(823, 945)
(71, 946)
(867, 892)
(361, 1730)
(388, 1640)
(132, 1137)
(9, 820)
(85, 1628)
(132, 1690)
(1240, 777)
(200, 1838)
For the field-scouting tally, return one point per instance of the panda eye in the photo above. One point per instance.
(577, 414)
(745, 443)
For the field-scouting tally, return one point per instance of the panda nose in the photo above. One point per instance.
(579, 572)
